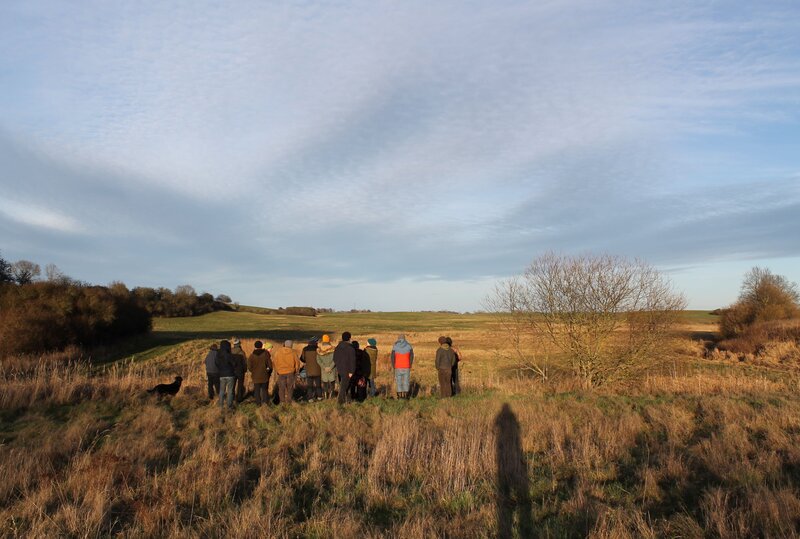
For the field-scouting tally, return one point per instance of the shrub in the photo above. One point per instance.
(184, 301)
(764, 297)
(46, 316)
(607, 314)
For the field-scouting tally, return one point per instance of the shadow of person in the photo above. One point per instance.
(513, 497)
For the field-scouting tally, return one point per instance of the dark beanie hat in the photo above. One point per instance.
(346, 336)
(258, 344)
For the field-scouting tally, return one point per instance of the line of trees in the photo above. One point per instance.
(38, 315)
(183, 301)
(47, 315)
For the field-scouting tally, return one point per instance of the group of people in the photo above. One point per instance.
(320, 367)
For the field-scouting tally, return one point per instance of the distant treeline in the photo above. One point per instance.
(184, 301)
(295, 311)
(44, 315)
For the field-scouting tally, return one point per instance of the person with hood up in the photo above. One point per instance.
(402, 359)
(260, 366)
(287, 364)
(212, 372)
(327, 368)
(372, 352)
(455, 383)
(240, 362)
(445, 359)
(344, 357)
(227, 374)
(313, 371)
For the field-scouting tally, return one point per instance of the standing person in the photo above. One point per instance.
(227, 375)
(455, 383)
(358, 382)
(240, 362)
(313, 370)
(402, 359)
(287, 364)
(445, 359)
(327, 368)
(260, 366)
(372, 352)
(212, 372)
(344, 357)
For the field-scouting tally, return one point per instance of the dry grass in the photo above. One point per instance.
(689, 451)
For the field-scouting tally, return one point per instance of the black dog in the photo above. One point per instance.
(167, 389)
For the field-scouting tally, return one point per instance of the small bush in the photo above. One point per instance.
(755, 338)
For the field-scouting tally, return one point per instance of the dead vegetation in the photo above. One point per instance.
(688, 451)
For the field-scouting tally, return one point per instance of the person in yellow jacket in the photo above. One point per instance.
(286, 363)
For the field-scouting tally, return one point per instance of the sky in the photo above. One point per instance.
(398, 155)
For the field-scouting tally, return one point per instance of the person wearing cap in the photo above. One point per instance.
(455, 383)
(313, 371)
(402, 359)
(286, 364)
(260, 366)
(445, 359)
(372, 352)
(327, 368)
(240, 362)
(212, 372)
(344, 357)
(227, 376)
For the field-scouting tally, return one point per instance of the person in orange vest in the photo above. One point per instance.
(402, 359)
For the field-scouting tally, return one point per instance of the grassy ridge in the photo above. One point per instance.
(696, 450)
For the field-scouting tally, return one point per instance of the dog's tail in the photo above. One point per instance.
(153, 390)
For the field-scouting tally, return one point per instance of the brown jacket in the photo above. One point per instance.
(445, 358)
(260, 365)
(310, 359)
(286, 361)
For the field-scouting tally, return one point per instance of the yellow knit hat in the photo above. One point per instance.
(326, 338)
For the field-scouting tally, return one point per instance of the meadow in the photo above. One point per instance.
(696, 448)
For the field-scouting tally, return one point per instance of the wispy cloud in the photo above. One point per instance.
(377, 141)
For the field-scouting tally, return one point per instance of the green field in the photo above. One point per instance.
(168, 332)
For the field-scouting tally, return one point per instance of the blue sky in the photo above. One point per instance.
(398, 155)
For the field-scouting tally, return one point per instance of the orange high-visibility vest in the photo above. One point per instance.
(402, 361)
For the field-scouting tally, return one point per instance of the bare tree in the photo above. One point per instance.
(25, 271)
(54, 275)
(507, 302)
(607, 314)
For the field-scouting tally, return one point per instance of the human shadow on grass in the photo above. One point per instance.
(513, 497)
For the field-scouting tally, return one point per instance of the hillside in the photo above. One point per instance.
(697, 449)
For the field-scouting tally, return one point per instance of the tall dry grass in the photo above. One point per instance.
(686, 451)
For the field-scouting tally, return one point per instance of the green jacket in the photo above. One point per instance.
(372, 352)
